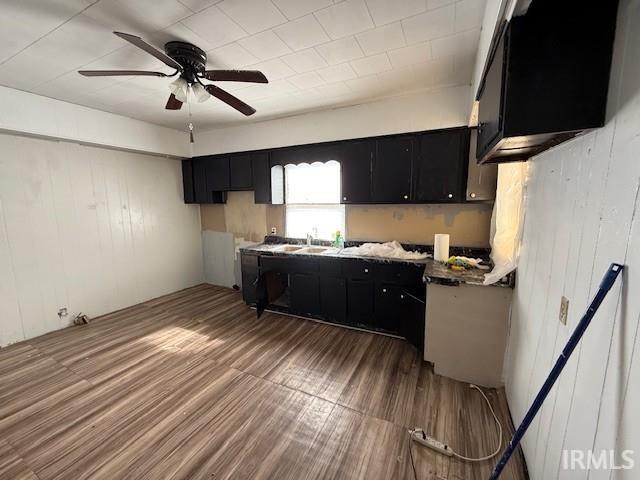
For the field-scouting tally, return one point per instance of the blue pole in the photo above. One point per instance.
(606, 284)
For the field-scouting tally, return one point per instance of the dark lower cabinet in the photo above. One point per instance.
(333, 299)
(360, 302)
(388, 308)
(386, 297)
(305, 294)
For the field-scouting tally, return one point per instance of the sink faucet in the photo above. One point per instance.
(309, 238)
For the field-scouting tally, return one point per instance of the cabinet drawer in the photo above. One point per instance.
(358, 269)
(399, 273)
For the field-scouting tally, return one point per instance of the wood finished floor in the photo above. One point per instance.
(192, 386)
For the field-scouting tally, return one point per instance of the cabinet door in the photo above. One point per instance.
(249, 269)
(217, 173)
(360, 302)
(413, 318)
(200, 192)
(389, 307)
(391, 172)
(261, 178)
(333, 299)
(240, 174)
(355, 163)
(490, 111)
(441, 166)
(187, 181)
(305, 294)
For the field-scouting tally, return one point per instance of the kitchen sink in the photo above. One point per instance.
(314, 250)
(289, 248)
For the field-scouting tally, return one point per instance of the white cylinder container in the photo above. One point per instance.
(441, 247)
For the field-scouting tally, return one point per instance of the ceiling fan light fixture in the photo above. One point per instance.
(200, 93)
(179, 88)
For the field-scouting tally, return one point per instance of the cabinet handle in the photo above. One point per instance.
(472, 195)
(384, 290)
(366, 270)
(344, 198)
(406, 197)
(402, 296)
(450, 195)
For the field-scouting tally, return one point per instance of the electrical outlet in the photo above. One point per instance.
(564, 310)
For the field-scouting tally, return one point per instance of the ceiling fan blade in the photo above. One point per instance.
(173, 103)
(230, 100)
(140, 43)
(113, 73)
(254, 76)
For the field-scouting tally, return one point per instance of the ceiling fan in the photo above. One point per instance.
(190, 63)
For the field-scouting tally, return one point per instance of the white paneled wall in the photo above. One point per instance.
(90, 229)
(582, 213)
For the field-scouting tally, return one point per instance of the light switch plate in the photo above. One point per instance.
(564, 310)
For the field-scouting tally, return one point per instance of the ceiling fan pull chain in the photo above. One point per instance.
(190, 123)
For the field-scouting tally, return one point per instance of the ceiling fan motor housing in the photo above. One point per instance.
(192, 58)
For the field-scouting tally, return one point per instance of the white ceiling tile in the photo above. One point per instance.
(433, 4)
(198, 5)
(381, 39)
(418, 53)
(232, 55)
(306, 80)
(399, 79)
(274, 69)
(366, 86)
(429, 25)
(139, 16)
(435, 73)
(302, 33)
(386, 11)
(346, 18)
(128, 57)
(337, 89)
(254, 16)
(469, 14)
(214, 26)
(305, 61)
(298, 8)
(464, 43)
(265, 90)
(370, 65)
(178, 32)
(265, 45)
(340, 51)
(337, 73)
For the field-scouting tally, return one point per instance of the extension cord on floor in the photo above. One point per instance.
(422, 438)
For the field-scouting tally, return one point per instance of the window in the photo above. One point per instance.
(312, 200)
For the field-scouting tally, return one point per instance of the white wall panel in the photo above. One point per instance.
(427, 110)
(90, 229)
(581, 215)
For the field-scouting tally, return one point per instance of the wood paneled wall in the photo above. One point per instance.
(90, 229)
(582, 213)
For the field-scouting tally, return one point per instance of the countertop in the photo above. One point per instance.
(434, 272)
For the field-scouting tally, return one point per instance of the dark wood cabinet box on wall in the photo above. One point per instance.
(547, 79)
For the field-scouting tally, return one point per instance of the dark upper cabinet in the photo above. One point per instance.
(187, 181)
(391, 170)
(540, 90)
(217, 173)
(202, 191)
(261, 177)
(440, 166)
(240, 172)
(355, 164)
